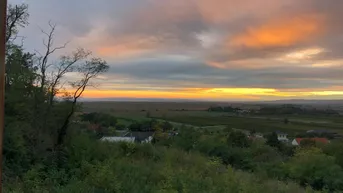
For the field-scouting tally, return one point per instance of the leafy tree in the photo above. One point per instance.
(88, 70)
(102, 119)
(311, 166)
(120, 127)
(272, 140)
(187, 139)
(159, 135)
(112, 131)
(335, 149)
(167, 126)
(228, 129)
(30, 92)
(253, 132)
(286, 121)
(238, 139)
(239, 158)
(135, 127)
(17, 17)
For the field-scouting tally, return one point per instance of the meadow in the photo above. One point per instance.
(196, 114)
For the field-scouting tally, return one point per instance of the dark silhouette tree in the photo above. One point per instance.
(272, 140)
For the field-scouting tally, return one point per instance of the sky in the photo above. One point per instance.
(202, 49)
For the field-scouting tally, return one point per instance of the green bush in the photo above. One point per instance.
(312, 167)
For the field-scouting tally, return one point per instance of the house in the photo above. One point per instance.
(122, 133)
(172, 133)
(141, 137)
(297, 141)
(258, 135)
(118, 139)
(282, 136)
(94, 127)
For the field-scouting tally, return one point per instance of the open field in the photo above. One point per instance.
(195, 114)
(146, 106)
(248, 123)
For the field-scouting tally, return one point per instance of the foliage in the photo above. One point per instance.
(142, 168)
(272, 140)
(286, 121)
(238, 139)
(36, 122)
(223, 109)
(102, 119)
(151, 125)
(312, 167)
(295, 109)
(335, 149)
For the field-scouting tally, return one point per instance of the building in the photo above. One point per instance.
(118, 139)
(281, 136)
(258, 135)
(132, 137)
(141, 137)
(297, 141)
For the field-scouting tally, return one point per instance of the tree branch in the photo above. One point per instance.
(17, 16)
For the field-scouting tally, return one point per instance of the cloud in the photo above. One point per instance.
(204, 47)
(178, 72)
(280, 33)
(128, 46)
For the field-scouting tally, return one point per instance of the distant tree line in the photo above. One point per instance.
(151, 125)
(223, 109)
(103, 119)
(295, 110)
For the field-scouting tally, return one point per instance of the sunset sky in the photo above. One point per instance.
(202, 49)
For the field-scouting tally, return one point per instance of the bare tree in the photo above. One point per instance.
(89, 70)
(17, 16)
(49, 50)
(67, 64)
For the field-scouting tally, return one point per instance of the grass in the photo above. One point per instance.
(249, 123)
(194, 114)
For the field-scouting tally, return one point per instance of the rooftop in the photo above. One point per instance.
(140, 136)
(316, 139)
(118, 139)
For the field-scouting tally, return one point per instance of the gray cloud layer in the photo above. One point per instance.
(175, 43)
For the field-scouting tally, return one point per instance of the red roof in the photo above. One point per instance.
(94, 127)
(316, 139)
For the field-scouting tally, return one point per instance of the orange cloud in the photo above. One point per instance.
(284, 32)
(128, 46)
(185, 94)
(214, 93)
(243, 63)
(217, 64)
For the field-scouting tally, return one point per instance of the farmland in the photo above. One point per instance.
(196, 114)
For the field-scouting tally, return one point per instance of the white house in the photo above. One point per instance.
(258, 135)
(295, 142)
(148, 140)
(118, 139)
(282, 136)
(131, 137)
